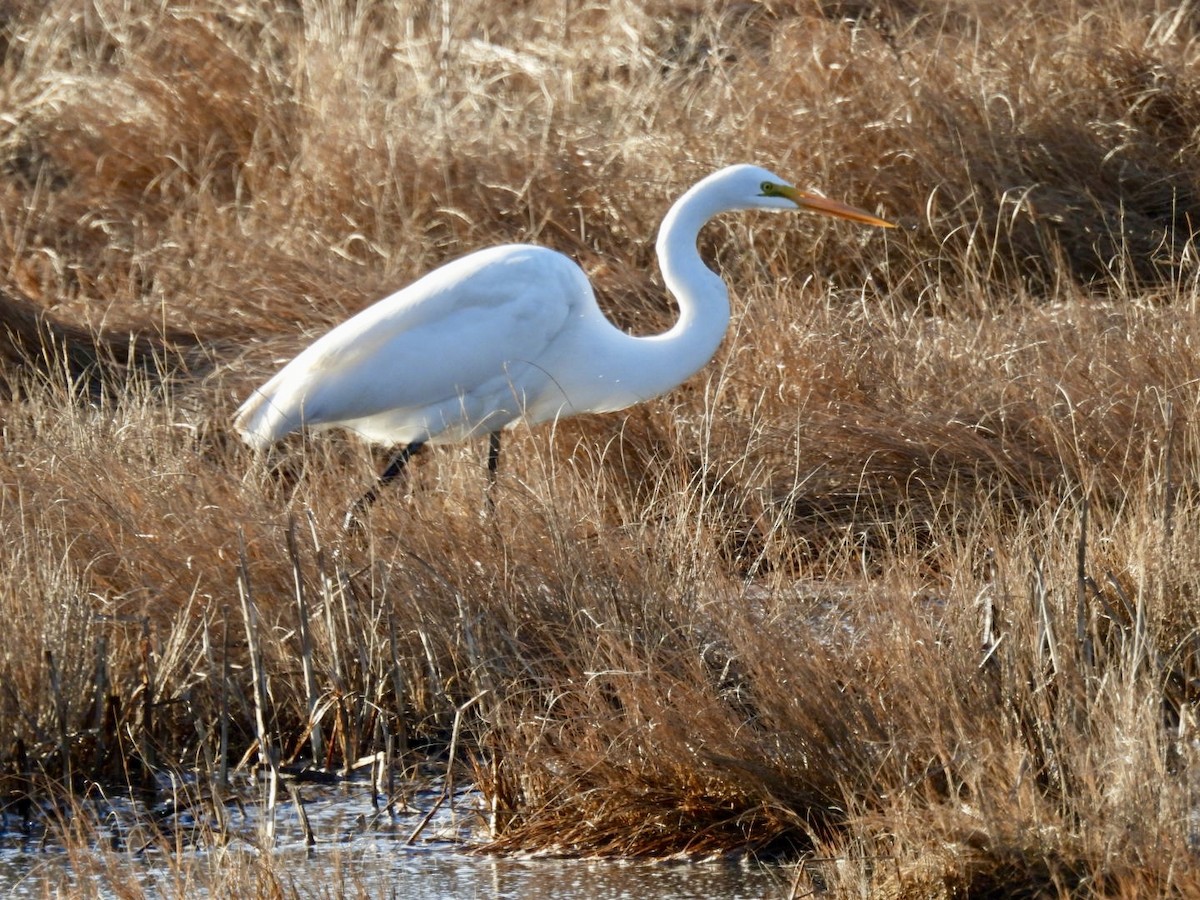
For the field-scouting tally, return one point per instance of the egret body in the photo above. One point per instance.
(514, 333)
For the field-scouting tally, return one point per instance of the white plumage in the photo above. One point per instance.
(511, 333)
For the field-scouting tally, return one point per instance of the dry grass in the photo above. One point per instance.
(904, 585)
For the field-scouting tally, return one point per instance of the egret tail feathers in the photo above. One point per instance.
(261, 422)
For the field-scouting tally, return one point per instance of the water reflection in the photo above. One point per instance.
(362, 850)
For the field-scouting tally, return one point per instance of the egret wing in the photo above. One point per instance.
(465, 335)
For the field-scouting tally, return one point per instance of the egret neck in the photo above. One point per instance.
(664, 360)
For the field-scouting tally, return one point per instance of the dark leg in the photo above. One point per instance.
(493, 464)
(395, 466)
(394, 469)
(493, 456)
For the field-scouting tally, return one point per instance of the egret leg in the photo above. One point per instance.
(393, 470)
(493, 463)
(493, 457)
(395, 466)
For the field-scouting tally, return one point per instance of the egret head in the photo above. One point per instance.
(760, 189)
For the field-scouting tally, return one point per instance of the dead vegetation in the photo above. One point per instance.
(902, 588)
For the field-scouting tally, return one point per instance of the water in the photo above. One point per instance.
(359, 852)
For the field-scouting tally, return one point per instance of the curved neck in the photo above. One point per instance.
(702, 296)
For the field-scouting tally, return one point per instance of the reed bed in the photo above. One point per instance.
(901, 589)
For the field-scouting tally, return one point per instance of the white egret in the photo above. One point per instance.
(513, 333)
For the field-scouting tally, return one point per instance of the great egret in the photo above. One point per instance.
(513, 333)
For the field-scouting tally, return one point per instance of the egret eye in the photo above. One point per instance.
(768, 189)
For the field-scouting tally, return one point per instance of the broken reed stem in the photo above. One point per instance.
(448, 785)
(338, 675)
(458, 717)
(376, 765)
(1168, 495)
(399, 690)
(306, 650)
(147, 741)
(310, 839)
(343, 730)
(266, 754)
(223, 748)
(220, 814)
(1046, 644)
(382, 759)
(1082, 639)
(988, 641)
(389, 762)
(356, 713)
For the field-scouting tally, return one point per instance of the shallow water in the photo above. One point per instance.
(359, 851)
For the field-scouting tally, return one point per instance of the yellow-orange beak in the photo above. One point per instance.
(825, 206)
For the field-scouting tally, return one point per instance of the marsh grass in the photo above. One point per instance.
(902, 588)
